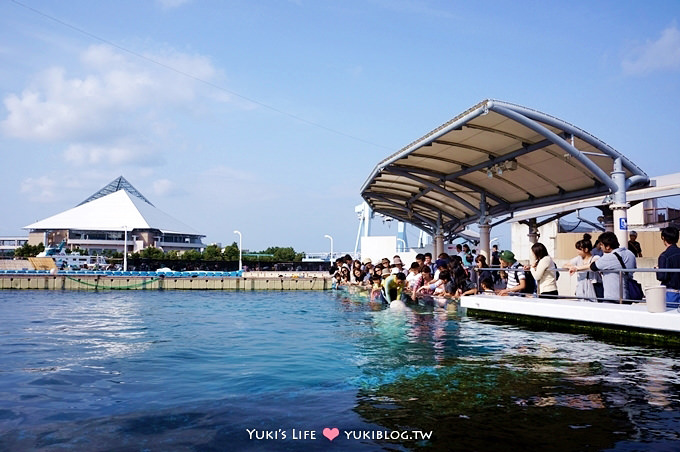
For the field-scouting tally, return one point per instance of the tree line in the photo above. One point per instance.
(210, 253)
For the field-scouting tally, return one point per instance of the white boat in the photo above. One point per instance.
(73, 261)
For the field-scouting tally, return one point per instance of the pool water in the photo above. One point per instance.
(271, 370)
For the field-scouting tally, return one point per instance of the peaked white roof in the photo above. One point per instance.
(119, 183)
(114, 212)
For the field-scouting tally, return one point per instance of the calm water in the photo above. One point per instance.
(211, 371)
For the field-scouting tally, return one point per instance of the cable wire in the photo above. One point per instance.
(193, 77)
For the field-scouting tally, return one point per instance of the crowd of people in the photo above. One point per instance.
(596, 267)
(390, 280)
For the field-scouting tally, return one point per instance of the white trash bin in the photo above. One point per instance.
(656, 299)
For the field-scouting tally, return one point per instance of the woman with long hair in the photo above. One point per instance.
(588, 282)
(481, 274)
(543, 270)
(462, 284)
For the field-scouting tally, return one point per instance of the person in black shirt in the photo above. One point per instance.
(634, 245)
(670, 259)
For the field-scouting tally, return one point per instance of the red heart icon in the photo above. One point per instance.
(331, 433)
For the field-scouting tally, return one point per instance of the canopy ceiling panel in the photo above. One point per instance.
(499, 155)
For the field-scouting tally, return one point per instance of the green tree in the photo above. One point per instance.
(172, 254)
(286, 254)
(192, 255)
(151, 253)
(212, 253)
(231, 252)
(27, 250)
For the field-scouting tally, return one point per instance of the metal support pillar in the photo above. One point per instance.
(484, 230)
(438, 244)
(533, 230)
(619, 205)
(401, 237)
(485, 241)
(438, 240)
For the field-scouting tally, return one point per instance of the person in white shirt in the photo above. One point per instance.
(588, 282)
(543, 270)
(610, 280)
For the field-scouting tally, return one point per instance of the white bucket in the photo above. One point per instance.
(656, 299)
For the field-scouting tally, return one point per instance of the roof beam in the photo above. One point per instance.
(639, 176)
(433, 187)
(401, 202)
(550, 135)
(442, 176)
(495, 131)
(430, 226)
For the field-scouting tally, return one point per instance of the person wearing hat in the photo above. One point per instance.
(634, 245)
(515, 271)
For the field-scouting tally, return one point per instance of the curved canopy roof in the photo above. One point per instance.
(490, 161)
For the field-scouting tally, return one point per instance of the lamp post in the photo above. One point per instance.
(330, 257)
(240, 250)
(125, 249)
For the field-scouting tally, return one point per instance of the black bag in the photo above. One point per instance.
(529, 281)
(633, 287)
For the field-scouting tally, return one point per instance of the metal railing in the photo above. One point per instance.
(621, 271)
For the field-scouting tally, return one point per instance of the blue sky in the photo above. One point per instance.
(268, 116)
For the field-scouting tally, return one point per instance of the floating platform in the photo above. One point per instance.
(627, 323)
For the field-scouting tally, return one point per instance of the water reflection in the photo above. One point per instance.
(478, 385)
(106, 327)
(197, 369)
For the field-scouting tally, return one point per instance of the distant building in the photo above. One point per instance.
(9, 244)
(101, 221)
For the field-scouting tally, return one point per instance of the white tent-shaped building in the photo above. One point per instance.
(100, 223)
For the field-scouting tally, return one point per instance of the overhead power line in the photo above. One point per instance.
(193, 77)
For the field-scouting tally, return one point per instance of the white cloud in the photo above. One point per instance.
(41, 189)
(165, 187)
(89, 155)
(662, 54)
(114, 99)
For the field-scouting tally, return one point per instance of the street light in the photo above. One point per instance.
(240, 250)
(330, 258)
(125, 250)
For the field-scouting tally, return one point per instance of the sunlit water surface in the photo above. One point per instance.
(210, 371)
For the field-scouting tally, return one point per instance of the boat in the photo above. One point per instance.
(75, 260)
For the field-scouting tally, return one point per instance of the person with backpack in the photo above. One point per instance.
(544, 271)
(615, 257)
(518, 281)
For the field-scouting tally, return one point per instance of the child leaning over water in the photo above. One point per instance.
(486, 285)
(376, 286)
